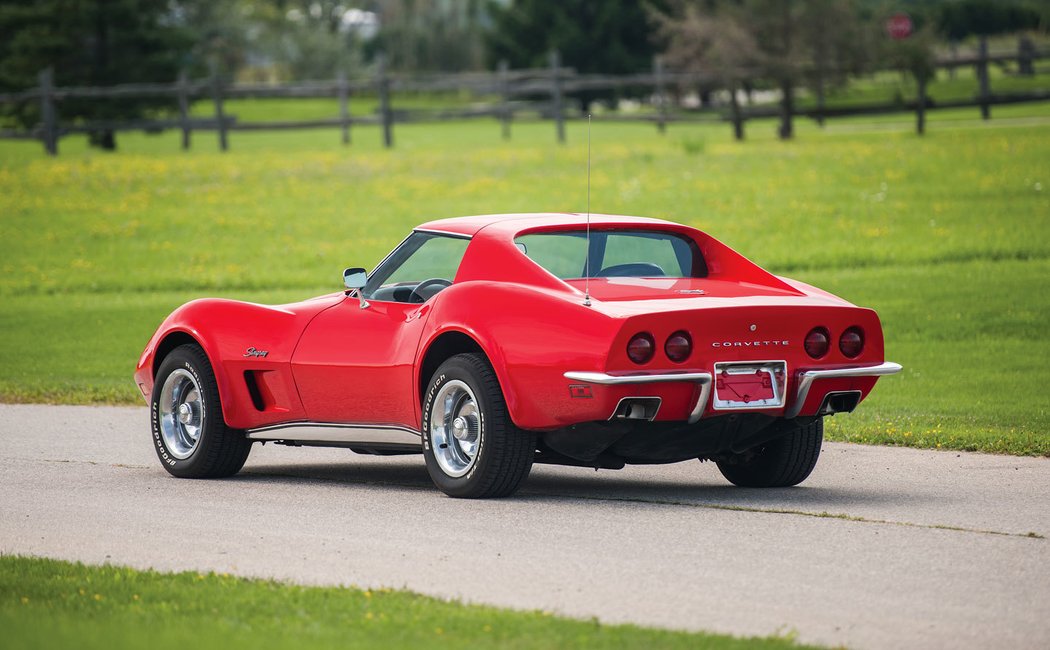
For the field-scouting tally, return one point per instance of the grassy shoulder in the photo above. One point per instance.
(54, 604)
(947, 237)
(971, 338)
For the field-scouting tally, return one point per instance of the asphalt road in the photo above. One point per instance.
(932, 549)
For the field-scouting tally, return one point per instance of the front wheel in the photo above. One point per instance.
(189, 434)
(471, 447)
(781, 462)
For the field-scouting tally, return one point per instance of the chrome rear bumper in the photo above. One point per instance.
(703, 379)
(807, 377)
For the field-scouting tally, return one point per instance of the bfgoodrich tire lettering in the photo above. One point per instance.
(781, 462)
(189, 433)
(471, 447)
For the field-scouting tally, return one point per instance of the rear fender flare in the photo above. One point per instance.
(426, 365)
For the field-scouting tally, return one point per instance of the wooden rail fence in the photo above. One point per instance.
(542, 91)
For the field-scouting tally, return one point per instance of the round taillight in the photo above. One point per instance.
(641, 347)
(851, 343)
(678, 346)
(817, 342)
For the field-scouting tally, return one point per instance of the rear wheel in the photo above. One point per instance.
(189, 433)
(471, 447)
(781, 462)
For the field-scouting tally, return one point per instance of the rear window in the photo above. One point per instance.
(614, 253)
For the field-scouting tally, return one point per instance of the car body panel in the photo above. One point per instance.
(355, 365)
(227, 330)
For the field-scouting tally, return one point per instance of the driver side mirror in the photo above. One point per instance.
(355, 279)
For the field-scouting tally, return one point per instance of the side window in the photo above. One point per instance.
(419, 268)
(562, 255)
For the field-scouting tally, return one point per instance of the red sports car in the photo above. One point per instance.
(489, 343)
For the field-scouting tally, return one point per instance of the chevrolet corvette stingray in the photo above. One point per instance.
(490, 343)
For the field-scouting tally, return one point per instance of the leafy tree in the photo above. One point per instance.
(221, 32)
(89, 43)
(306, 38)
(838, 44)
(915, 55)
(711, 43)
(984, 18)
(776, 26)
(788, 43)
(592, 36)
(269, 40)
(430, 36)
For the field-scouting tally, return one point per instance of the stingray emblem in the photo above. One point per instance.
(252, 352)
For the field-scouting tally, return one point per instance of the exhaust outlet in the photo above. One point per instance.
(636, 408)
(840, 402)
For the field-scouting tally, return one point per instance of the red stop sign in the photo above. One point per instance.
(899, 26)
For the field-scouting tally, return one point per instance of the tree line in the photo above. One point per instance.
(787, 44)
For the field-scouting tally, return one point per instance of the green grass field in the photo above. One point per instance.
(889, 87)
(947, 236)
(51, 604)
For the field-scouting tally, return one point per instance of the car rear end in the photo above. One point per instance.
(776, 358)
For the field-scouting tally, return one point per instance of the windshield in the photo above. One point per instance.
(418, 269)
(614, 253)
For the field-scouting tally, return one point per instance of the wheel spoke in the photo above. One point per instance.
(181, 416)
(455, 431)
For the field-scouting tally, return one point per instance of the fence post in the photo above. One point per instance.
(786, 130)
(216, 95)
(184, 110)
(820, 94)
(738, 117)
(1025, 56)
(344, 106)
(48, 117)
(984, 94)
(504, 91)
(556, 98)
(920, 107)
(384, 100)
(661, 96)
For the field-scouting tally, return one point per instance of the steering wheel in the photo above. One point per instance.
(417, 296)
(632, 270)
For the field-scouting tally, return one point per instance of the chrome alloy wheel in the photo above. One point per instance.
(181, 413)
(455, 428)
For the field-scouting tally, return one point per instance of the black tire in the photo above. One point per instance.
(217, 451)
(781, 462)
(503, 453)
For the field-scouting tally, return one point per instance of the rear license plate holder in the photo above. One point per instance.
(749, 385)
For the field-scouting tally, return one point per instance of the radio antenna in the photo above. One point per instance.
(587, 259)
